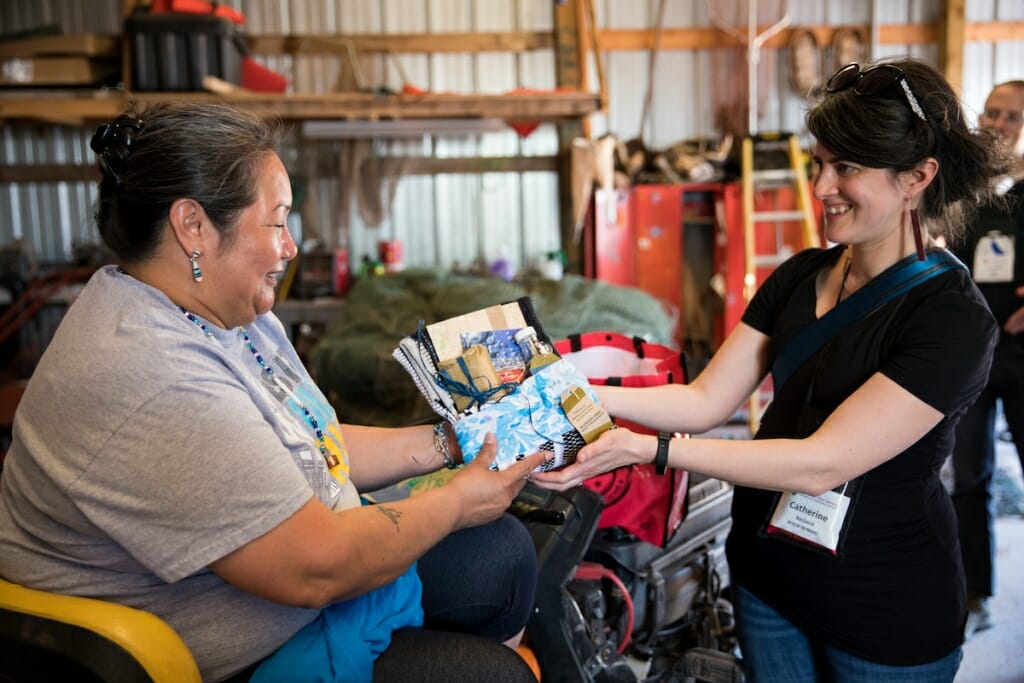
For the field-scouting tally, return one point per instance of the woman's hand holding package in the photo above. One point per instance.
(485, 493)
(615, 448)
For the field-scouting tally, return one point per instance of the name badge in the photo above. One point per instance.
(993, 258)
(813, 519)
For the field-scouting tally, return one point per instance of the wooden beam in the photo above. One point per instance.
(994, 31)
(127, 75)
(671, 39)
(706, 38)
(455, 165)
(61, 108)
(951, 42)
(82, 44)
(527, 106)
(691, 38)
(568, 50)
(80, 173)
(49, 173)
(513, 41)
(434, 166)
(595, 47)
(551, 106)
(907, 34)
(568, 74)
(69, 70)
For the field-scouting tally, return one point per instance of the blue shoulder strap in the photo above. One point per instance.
(897, 280)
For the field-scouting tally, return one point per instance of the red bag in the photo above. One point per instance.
(647, 505)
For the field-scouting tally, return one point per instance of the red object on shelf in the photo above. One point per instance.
(257, 77)
(342, 276)
(389, 253)
(410, 89)
(197, 7)
(524, 128)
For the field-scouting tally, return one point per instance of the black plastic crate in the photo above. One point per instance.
(173, 51)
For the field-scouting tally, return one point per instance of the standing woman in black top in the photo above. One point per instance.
(843, 552)
(990, 251)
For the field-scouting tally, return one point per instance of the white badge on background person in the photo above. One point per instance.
(993, 258)
(816, 519)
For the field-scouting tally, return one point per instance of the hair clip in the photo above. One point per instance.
(112, 142)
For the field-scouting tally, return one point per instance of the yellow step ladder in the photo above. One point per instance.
(772, 162)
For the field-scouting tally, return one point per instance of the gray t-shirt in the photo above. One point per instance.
(145, 448)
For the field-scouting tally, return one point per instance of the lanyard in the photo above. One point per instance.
(895, 281)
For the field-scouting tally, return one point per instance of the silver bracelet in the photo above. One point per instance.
(441, 446)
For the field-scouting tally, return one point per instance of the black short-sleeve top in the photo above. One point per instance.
(1007, 221)
(894, 595)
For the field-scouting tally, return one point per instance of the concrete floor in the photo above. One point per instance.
(997, 654)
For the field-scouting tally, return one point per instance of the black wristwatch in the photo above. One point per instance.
(661, 456)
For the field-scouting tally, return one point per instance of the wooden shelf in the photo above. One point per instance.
(82, 44)
(80, 107)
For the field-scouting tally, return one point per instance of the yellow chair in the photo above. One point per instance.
(50, 637)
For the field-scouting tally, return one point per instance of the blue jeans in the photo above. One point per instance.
(480, 580)
(974, 464)
(478, 588)
(776, 651)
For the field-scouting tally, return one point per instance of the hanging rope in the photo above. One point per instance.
(652, 58)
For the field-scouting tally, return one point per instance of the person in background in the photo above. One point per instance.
(172, 454)
(843, 552)
(991, 253)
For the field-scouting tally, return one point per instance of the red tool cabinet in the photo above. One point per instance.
(654, 237)
(638, 237)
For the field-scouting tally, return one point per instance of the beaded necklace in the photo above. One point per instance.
(307, 414)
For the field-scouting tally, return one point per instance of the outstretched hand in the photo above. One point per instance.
(1015, 323)
(615, 448)
(486, 494)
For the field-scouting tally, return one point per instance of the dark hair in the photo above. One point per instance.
(882, 131)
(207, 152)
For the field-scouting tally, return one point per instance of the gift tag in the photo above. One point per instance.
(589, 418)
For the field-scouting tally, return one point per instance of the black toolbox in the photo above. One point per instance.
(174, 51)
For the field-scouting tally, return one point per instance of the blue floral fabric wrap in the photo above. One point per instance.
(527, 420)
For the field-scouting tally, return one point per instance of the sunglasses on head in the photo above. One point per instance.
(872, 81)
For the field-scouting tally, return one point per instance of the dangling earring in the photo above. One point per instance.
(197, 274)
(915, 224)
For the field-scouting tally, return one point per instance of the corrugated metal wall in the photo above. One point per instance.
(456, 218)
(443, 219)
(687, 84)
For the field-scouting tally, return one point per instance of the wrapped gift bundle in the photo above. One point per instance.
(494, 370)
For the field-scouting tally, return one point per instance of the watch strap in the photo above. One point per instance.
(661, 455)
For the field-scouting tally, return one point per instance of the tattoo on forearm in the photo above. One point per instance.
(391, 513)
